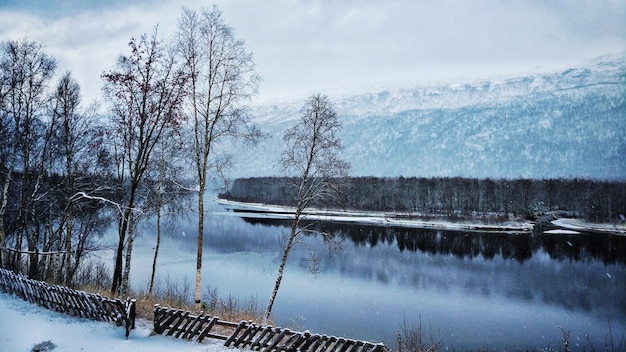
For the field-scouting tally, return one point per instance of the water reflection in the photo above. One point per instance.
(572, 274)
(471, 289)
(608, 249)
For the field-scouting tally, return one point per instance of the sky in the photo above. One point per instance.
(301, 47)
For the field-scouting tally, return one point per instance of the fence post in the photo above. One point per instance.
(130, 315)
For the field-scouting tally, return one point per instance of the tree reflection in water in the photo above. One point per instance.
(471, 287)
(609, 249)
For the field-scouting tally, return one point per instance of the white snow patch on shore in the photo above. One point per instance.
(265, 211)
(562, 232)
(581, 225)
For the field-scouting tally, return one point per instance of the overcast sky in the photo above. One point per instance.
(306, 46)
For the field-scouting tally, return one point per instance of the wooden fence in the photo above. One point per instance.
(182, 324)
(177, 323)
(69, 301)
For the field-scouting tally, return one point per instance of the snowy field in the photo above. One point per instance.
(24, 325)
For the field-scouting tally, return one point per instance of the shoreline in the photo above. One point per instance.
(381, 219)
(566, 226)
(576, 226)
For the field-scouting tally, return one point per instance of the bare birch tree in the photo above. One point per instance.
(76, 142)
(146, 91)
(222, 81)
(169, 196)
(311, 157)
(65, 104)
(25, 72)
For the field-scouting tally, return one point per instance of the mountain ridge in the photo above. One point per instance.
(569, 123)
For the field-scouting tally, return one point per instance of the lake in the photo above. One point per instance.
(469, 290)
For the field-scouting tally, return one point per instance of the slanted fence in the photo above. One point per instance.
(69, 301)
(182, 324)
(175, 322)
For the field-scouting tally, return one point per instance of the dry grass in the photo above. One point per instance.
(414, 339)
(96, 278)
(227, 308)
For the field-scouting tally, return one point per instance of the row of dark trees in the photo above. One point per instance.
(592, 199)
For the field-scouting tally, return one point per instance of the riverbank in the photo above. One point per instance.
(382, 219)
(570, 226)
(576, 226)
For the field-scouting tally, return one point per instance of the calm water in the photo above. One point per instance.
(470, 290)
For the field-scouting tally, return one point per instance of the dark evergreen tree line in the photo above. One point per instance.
(594, 200)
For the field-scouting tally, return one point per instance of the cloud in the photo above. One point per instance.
(321, 45)
(335, 44)
(87, 43)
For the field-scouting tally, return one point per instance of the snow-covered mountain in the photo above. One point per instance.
(570, 123)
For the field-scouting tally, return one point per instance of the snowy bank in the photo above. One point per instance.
(276, 212)
(580, 225)
(24, 325)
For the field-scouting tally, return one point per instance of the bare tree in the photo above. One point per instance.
(25, 72)
(146, 93)
(169, 196)
(311, 157)
(76, 142)
(222, 80)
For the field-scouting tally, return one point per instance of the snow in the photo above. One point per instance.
(561, 232)
(266, 211)
(24, 325)
(511, 127)
(580, 225)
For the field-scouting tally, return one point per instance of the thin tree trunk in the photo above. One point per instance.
(125, 289)
(281, 269)
(200, 240)
(156, 248)
(67, 264)
(33, 264)
(158, 209)
(3, 207)
(123, 229)
(117, 271)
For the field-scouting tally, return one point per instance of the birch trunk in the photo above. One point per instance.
(281, 268)
(156, 251)
(3, 206)
(200, 241)
(125, 288)
(67, 258)
(158, 241)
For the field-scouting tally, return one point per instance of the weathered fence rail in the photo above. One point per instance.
(69, 301)
(177, 323)
(182, 324)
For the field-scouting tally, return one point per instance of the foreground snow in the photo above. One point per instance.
(24, 325)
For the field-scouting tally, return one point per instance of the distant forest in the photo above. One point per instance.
(594, 200)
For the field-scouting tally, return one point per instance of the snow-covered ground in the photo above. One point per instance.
(24, 325)
(265, 211)
(580, 225)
